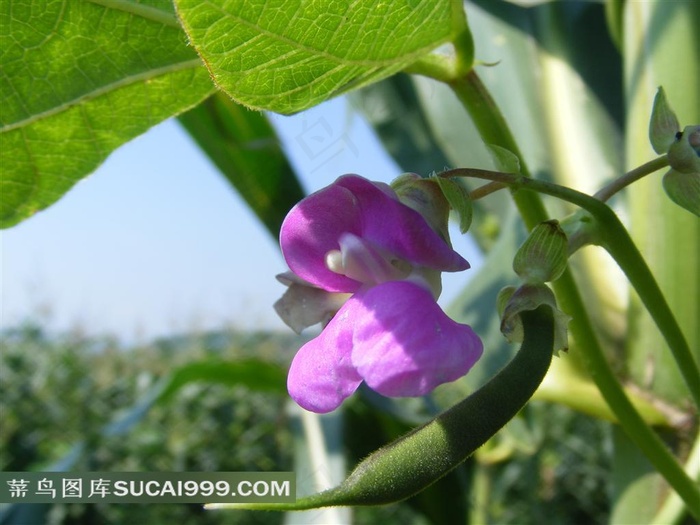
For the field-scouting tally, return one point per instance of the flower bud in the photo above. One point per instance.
(663, 124)
(684, 152)
(543, 255)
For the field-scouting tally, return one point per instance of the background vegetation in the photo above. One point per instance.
(76, 402)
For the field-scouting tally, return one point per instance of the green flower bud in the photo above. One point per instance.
(684, 152)
(543, 255)
(663, 124)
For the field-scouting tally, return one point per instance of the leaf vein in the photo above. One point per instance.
(123, 82)
(405, 57)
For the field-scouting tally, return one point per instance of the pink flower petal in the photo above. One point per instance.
(395, 227)
(369, 211)
(321, 375)
(405, 345)
(312, 228)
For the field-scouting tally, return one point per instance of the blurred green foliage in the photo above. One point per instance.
(57, 392)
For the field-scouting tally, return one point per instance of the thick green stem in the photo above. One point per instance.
(673, 510)
(494, 130)
(617, 242)
(582, 328)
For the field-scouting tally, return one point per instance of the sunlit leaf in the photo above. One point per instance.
(78, 79)
(286, 56)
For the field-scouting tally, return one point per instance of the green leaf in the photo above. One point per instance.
(459, 200)
(254, 374)
(614, 16)
(634, 483)
(286, 56)
(505, 159)
(78, 80)
(244, 146)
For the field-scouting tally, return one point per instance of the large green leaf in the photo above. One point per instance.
(286, 56)
(78, 79)
(244, 146)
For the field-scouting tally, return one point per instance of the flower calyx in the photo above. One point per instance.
(513, 301)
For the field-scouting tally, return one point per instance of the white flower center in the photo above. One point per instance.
(362, 261)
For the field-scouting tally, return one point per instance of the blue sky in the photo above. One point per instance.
(156, 242)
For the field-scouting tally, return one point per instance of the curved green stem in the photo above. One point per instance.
(494, 130)
(672, 511)
(483, 110)
(616, 240)
(421, 457)
(634, 426)
(631, 176)
(582, 328)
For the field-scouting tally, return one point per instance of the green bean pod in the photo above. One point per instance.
(413, 462)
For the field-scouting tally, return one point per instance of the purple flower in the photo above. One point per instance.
(355, 244)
